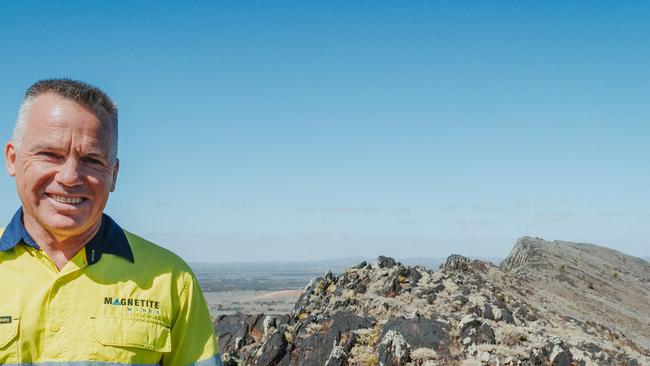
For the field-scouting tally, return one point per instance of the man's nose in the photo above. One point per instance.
(68, 174)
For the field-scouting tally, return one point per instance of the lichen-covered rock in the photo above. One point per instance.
(394, 350)
(337, 357)
(474, 331)
(468, 321)
(420, 332)
(560, 354)
(559, 357)
(230, 359)
(316, 348)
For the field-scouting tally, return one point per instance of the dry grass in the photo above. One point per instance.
(510, 335)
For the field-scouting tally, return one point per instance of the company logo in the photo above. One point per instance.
(134, 305)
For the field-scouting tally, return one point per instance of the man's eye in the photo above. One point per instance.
(48, 154)
(92, 161)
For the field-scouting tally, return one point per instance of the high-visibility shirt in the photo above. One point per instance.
(121, 300)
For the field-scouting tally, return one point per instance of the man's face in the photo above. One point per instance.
(64, 166)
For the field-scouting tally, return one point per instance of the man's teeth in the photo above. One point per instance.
(63, 199)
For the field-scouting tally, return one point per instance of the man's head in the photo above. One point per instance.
(63, 154)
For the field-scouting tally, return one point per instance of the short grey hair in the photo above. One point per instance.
(78, 91)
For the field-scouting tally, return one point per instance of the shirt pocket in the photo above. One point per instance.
(134, 333)
(8, 339)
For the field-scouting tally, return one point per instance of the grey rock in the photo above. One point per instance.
(476, 331)
(487, 311)
(337, 357)
(386, 262)
(560, 354)
(230, 359)
(391, 286)
(438, 288)
(239, 343)
(468, 321)
(230, 328)
(273, 350)
(537, 357)
(393, 349)
(455, 262)
(527, 250)
(559, 357)
(420, 332)
(316, 349)
(360, 265)
(459, 300)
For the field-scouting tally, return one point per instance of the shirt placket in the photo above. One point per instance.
(59, 328)
(57, 320)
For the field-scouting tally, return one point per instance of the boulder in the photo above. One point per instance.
(238, 330)
(316, 349)
(273, 350)
(455, 262)
(420, 332)
(560, 354)
(393, 349)
(386, 262)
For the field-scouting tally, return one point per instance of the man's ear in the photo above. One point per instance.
(10, 158)
(116, 169)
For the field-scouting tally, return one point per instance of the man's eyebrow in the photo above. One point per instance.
(39, 147)
(99, 154)
(91, 154)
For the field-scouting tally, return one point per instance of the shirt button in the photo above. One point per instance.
(54, 327)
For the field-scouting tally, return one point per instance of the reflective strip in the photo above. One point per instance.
(212, 361)
(79, 363)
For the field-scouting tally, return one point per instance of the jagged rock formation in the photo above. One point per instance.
(548, 303)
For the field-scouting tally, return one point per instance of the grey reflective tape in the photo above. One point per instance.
(212, 361)
(79, 363)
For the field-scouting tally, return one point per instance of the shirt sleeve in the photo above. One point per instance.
(192, 335)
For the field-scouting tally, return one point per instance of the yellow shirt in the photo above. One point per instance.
(105, 307)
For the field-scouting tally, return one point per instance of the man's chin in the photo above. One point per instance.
(65, 225)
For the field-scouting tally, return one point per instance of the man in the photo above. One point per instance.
(76, 288)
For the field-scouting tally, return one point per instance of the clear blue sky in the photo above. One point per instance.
(306, 130)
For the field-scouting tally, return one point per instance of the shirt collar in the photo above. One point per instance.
(15, 232)
(109, 239)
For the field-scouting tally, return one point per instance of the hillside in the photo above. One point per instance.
(556, 303)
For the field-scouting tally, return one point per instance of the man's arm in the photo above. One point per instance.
(193, 338)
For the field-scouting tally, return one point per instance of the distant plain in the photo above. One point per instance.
(260, 287)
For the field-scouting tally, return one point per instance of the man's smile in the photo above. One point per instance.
(66, 199)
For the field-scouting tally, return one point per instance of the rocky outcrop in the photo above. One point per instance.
(527, 251)
(455, 262)
(533, 309)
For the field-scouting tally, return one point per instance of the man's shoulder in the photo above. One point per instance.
(151, 254)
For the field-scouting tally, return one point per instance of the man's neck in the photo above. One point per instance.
(60, 248)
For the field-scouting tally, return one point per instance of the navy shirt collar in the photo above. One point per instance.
(109, 239)
(15, 232)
